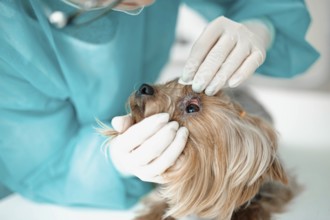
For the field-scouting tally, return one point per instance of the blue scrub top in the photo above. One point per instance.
(54, 83)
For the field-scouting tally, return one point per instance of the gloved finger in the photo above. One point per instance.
(138, 133)
(168, 158)
(227, 69)
(211, 64)
(200, 50)
(122, 123)
(249, 66)
(155, 145)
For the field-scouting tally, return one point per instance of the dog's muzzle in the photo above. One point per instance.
(141, 95)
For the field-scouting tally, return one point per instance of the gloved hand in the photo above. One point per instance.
(226, 52)
(148, 148)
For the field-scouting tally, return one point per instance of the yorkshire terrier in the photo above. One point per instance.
(229, 168)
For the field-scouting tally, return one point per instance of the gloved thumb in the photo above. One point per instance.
(122, 123)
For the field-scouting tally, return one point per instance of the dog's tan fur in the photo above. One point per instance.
(229, 168)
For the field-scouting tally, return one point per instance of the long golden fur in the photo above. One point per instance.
(229, 168)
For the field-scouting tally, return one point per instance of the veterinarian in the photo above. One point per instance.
(60, 69)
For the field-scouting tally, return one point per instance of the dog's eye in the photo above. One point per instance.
(191, 108)
(192, 104)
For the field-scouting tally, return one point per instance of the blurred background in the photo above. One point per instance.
(300, 108)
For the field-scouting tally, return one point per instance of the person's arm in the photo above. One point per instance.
(290, 53)
(47, 156)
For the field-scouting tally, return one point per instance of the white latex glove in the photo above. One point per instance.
(148, 148)
(226, 52)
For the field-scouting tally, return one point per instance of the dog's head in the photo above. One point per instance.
(229, 153)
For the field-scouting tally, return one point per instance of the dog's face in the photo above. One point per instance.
(229, 153)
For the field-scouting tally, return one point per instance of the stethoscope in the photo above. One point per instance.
(98, 8)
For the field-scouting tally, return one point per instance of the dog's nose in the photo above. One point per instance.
(145, 89)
